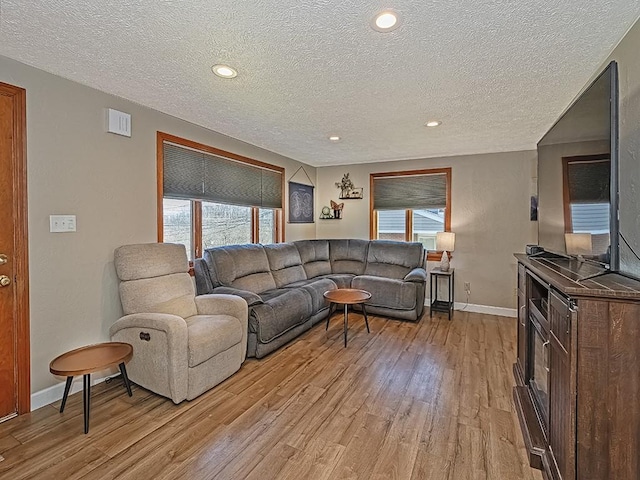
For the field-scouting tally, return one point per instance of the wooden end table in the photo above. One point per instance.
(86, 360)
(346, 297)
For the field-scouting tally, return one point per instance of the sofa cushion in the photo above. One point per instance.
(148, 260)
(209, 335)
(316, 288)
(348, 256)
(282, 310)
(173, 294)
(342, 280)
(244, 267)
(387, 292)
(284, 261)
(315, 257)
(393, 259)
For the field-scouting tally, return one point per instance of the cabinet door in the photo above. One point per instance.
(562, 388)
(522, 335)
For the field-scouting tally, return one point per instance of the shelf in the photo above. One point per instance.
(332, 218)
(350, 198)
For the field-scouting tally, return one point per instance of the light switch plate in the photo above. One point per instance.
(62, 223)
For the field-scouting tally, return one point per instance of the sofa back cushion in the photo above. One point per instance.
(285, 263)
(245, 267)
(393, 259)
(348, 256)
(315, 257)
(154, 279)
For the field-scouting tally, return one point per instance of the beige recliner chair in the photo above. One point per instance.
(183, 345)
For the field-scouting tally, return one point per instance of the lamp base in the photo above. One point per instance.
(444, 262)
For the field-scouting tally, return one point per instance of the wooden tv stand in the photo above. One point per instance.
(577, 371)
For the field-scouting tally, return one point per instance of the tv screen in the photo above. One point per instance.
(577, 177)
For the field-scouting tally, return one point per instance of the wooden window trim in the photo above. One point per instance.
(373, 217)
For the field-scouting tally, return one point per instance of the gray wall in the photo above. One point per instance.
(489, 214)
(109, 183)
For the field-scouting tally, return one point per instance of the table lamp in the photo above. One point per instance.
(446, 242)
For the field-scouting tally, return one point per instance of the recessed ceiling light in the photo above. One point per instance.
(334, 138)
(433, 123)
(224, 71)
(385, 21)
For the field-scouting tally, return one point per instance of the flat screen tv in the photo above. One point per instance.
(578, 180)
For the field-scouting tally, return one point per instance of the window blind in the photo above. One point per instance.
(191, 174)
(410, 192)
(588, 182)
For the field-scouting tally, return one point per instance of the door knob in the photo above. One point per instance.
(3, 259)
(4, 280)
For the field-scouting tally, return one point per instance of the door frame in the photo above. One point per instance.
(21, 255)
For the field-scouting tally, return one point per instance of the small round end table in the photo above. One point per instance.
(86, 360)
(346, 297)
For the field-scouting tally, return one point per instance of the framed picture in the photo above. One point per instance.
(300, 203)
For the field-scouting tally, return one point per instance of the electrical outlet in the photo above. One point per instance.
(467, 287)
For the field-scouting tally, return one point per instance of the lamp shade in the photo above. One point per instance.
(445, 241)
(578, 243)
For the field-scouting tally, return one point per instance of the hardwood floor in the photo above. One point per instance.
(430, 400)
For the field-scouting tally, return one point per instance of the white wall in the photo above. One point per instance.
(109, 183)
(490, 197)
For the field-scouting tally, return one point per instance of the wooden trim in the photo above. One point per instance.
(408, 225)
(566, 201)
(255, 224)
(160, 186)
(447, 215)
(166, 137)
(196, 228)
(21, 254)
(280, 225)
(407, 173)
(373, 217)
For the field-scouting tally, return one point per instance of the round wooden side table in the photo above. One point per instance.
(346, 297)
(86, 360)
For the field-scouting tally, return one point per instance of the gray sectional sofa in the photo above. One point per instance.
(283, 284)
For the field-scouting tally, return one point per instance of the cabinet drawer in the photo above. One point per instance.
(560, 318)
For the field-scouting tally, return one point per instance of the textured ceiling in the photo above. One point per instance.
(497, 73)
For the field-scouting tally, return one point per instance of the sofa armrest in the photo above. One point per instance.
(249, 297)
(160, 351)
(204, 284)
(219, 304)
(417, 275)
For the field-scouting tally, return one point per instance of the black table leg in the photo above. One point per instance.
(366, 319)
(123, 371)
(67, 387)
(346, 321)
(332, 308)
(86, 397)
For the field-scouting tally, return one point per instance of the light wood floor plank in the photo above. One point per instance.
(429, 400)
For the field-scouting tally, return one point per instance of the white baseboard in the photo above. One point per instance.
(487, 309)
(55, 392)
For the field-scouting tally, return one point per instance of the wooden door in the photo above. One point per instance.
(14, 332)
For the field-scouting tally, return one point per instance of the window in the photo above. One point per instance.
(411, 206)
(586, 194)
(208, 197)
